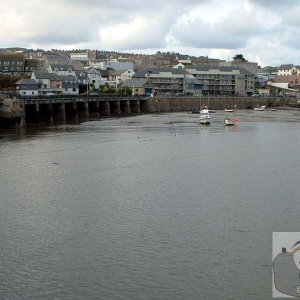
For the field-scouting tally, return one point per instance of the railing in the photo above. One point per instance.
(79, 98)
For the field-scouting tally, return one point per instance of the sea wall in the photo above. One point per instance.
(170, 104)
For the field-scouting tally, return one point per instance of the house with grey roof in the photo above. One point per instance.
(13, 63)
(49, 59)
(70, 85)
(288, 69)
(48, 82)
(94, 77)
(137, 85)
(27, 87)
(31, 65)
(122, 75)
(82, 79)
(114, 64)
(109, 77)
(63, 70)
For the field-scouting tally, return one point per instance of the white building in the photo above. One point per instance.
(116, 65)
(94, 77)
(81, 56)
(27, 87)
(62, 70)
(289, 69)
(123, 75)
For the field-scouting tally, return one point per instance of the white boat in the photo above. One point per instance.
(231, 120)
(204, 117)
(260, 108)
(229, 110)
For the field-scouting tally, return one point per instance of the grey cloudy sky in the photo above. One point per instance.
(264, 31)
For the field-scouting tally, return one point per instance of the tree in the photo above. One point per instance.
(239, 57)
(8, 81)
(124, 91)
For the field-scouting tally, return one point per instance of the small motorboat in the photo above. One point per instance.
(260, 108)
(231, 120)
(204, 117)
(229, 110)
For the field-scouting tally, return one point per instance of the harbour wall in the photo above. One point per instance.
(69, 109)
(173, 104)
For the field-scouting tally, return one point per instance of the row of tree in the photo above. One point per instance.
(8, 82)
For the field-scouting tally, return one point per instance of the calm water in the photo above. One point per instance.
(147, 207)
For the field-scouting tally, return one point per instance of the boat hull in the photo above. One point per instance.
(204, 121)
(260, 108)
(229, 122)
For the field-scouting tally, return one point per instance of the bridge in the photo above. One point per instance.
(67, 107)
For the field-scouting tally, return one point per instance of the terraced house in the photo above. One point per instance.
(17, 64)
(13, 63)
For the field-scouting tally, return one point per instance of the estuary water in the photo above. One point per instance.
(147, 207)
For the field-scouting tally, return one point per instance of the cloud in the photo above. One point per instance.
(231, 29)
(208, 27)
(275, 4)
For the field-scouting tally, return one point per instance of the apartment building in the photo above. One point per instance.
(224, 80)
(170, 81)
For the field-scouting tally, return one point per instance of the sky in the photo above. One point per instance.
(264, 31)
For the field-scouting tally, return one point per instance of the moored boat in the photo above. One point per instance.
(231, 120)
(260, 108)
(204, 117)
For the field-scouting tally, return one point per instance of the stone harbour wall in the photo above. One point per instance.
(170, 104)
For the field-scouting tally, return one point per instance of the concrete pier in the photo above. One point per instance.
(63, 112)
(87, 112)
(50, 109)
